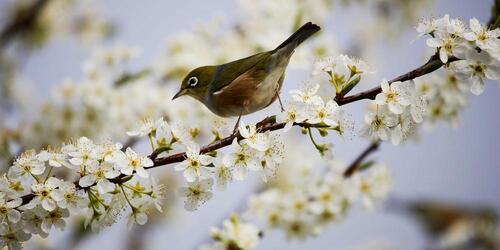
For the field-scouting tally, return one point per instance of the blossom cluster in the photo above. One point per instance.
(104, 179)
(476, 46)
(471, 56)
(96, 106)
(398, 107)
(447, 97)
(395, 113)
(311, 111)
(259, 152)
(305, 206)
(308, 106)
(343, 72)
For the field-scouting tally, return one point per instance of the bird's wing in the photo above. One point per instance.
(227, 73)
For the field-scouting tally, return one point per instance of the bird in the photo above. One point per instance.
(246, 85)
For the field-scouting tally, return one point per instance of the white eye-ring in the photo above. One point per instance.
(192, 81)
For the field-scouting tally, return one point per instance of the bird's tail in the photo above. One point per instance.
(299, 36)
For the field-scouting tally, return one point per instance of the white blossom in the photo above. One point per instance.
(101, 175)
(70, 198)
(164, 135)
(324, 113)
(12, 236)
(235, 234)
(196, 193)
(396, 96)
(405, 128)
(272, 158)
(485, 39)
(8, 209)
(145, 127)
(54, 218)
(83, 153)
(223, 171)
(448, 45)
(54, 158)
(195, 164)
(138, 215)
(418, 106)
(307, 95)
(253, 138)
(133, 162)
(46, 195)
(293, 113)
(374, 186)
(475, 68)
(379, 124)
(28, 164)
(243, 158)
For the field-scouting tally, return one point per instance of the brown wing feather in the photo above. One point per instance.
(245, 94)
(237, 95)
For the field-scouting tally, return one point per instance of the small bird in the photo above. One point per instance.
(246, 85)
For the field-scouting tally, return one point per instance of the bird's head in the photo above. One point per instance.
(197, 82)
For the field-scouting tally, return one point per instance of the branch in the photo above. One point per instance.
(357, 163)
(268, 124)
(432, 65)
(22, 21)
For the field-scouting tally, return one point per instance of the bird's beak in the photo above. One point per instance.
(180, 93)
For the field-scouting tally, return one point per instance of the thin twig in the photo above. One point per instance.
(354, 167)
(495, 16)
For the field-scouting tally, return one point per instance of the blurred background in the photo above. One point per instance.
(459, 166)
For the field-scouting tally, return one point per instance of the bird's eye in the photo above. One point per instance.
(192, 81)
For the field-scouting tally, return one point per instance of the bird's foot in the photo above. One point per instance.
(281, 104)
(235, 131)
(236, 126)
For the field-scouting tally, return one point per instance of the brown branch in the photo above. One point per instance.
(265, 125)
(432, 65)
(354, 167)
(23, 21)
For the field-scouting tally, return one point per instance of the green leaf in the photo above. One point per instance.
(130, 77)
(350, 85)
(366, 165)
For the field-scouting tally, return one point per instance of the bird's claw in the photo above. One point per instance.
(235, 131)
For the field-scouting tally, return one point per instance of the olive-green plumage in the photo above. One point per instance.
(246, 85)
